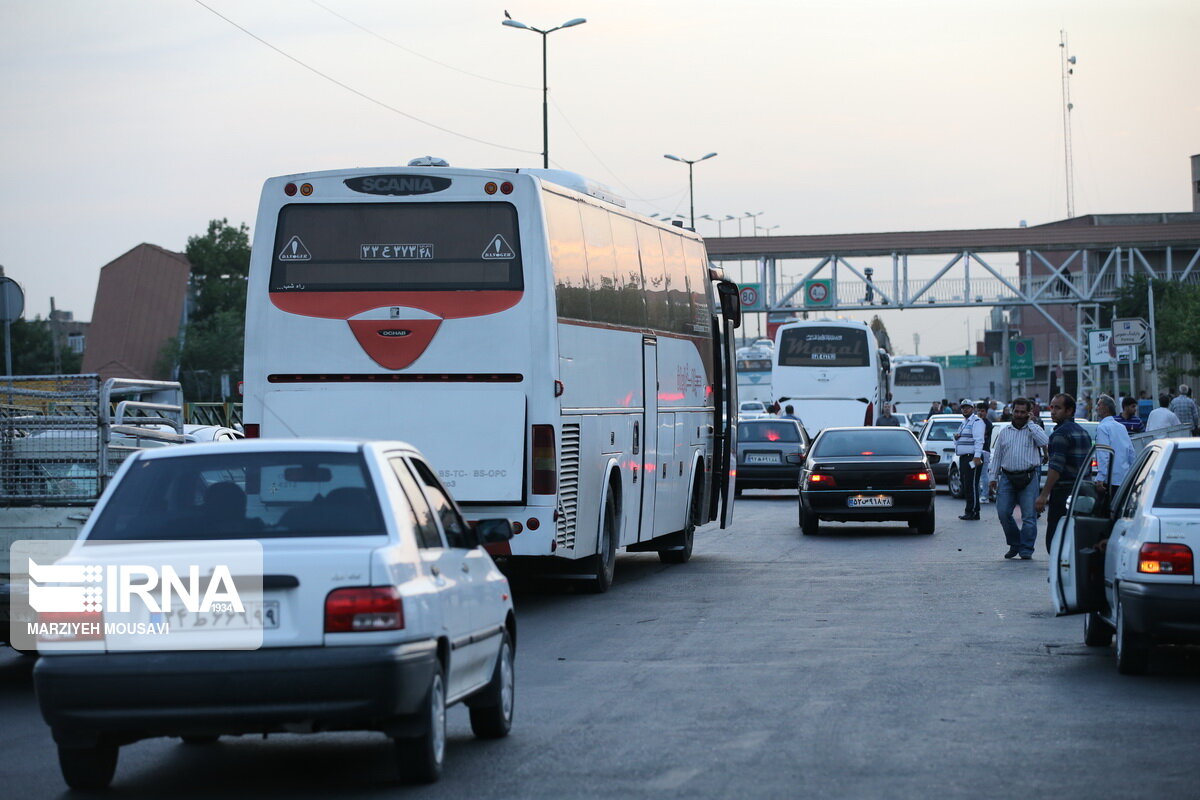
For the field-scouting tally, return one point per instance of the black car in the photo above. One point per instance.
(769, 452)
(866, 475)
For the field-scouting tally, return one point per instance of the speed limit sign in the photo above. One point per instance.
(749, 297)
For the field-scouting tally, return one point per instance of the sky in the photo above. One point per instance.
(130, 121)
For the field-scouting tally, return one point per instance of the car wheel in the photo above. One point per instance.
(1096, 632)
(88, 768)
(1133, 652)
(953, 483)
(809, 524)
(681, 554)
(604, 563)
(492, 708)
(420, 757)
(926, 522)
(200, 739)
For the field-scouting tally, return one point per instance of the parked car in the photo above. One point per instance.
(752, 409)
(1129, 565)
(769, 452)
(211, 433)
(905, 422)
(937, 436)
(380, 607)
(866, 475)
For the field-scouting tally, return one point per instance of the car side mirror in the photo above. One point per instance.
(934, 458)
(492, 531)
(1084, 505)
(730, 298)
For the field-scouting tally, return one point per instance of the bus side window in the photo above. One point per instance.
(602, 264)
(571, 282)
(655, 274)
(698, 283)
(678, 301)
(630, 285)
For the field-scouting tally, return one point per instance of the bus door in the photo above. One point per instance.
(725, 401)
(645, 440)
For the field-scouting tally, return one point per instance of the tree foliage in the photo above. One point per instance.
(1176, 313)
(33, 350)
(214, 338)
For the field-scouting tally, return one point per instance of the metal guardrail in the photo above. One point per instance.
(228, 415)
(1140, 440)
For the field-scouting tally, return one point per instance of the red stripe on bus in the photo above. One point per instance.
(385, 377)
(407, 340)
(445, 304)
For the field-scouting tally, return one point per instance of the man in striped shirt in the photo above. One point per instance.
(1069, 449)
(1016, 457)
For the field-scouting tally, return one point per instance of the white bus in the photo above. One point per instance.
(831, 371)
(916, 383)
(565, 363)
(753, 367)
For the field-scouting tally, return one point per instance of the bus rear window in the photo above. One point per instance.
(355, 247)
(917, 376)
(824, 347)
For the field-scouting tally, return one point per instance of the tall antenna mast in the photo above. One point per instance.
(1068, 69)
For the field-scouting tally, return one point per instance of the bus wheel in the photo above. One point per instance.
(604, 563)
(681, 554)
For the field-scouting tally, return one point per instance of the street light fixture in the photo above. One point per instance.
(691, 186)
(512, 23)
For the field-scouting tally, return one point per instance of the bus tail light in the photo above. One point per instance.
(545, 467)
(364, 608)
(869, 417)
(819, 480)
(1165, 559)
(250, 429)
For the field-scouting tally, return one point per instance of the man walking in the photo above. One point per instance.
(1184, 407)
(968, 447)
(1162, 417)
(1128, 416)
(1016, 458)
(887, 418)
(981, 486)
(1112, 432)
(1069, 448)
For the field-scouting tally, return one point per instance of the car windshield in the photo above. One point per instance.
(879, 442)
(768, 432)
(242, 495)
(1181, 483)
(943, 430)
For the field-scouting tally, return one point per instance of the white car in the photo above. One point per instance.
(1129, 563)
(380, 607)
(752, 409)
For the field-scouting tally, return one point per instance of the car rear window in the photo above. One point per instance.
(1181, 482)
(943, 430)
(895, 442)
(768, 432)
(242, 495)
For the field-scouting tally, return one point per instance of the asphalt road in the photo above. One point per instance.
(866, 662)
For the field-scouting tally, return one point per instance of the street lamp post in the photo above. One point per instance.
(691, 186)
(754, 222)
(512, 23)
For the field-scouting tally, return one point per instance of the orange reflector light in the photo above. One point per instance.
(506, 188)
(306, 189)
(533, 523)
(290, 190)
(490, 187)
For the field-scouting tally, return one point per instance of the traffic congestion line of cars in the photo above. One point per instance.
(379, 604)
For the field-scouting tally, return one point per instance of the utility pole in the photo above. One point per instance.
(1068, 69)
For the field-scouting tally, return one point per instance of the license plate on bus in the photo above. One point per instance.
(874, 501)
(763, 458)
(265, 614)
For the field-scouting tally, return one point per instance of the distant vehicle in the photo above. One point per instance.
(937, 437)
(769, 453)
(752, 409)
(916, 420)
(211, 433)
(1141, 585)
(540, 342)
(866, 475)
(832, 371)
(916, 382)
(905, 422)
(754, 366)
(381, 607)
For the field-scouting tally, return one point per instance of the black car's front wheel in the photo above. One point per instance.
(88, 768)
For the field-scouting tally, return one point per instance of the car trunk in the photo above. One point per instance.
(1180, 526)
(874, 472)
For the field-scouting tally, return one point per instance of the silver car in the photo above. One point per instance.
(769, 452)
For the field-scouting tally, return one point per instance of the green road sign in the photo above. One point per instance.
(818, 293)
(1020, 359)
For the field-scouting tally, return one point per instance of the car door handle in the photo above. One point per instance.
(466, 567)
(434, 569)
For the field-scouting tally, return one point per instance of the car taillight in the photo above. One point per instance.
(251, 430)
(819, 480)
(917, 479)
(869, 417)
(363, 608)
(545, 469)
(1165, 559)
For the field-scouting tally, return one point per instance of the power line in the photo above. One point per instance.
(397, 45)
(354, 91)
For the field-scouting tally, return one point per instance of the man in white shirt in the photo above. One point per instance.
(1161, 417)
(968, 447)
(1016, 459)
(1115, 435)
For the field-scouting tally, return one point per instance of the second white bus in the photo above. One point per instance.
(565, 363)
(916, 384)
(832, 371)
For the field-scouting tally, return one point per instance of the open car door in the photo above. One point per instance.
(1076, 564)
